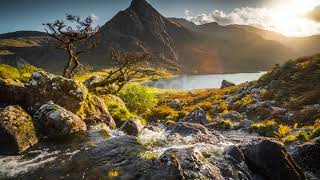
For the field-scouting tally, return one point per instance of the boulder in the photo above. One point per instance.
(186, 129)
(43, 87)
(94, 111)
(132, 127)
(233, 115)
(17, 132)
(69, 94)
(226, 83)
(197, 116)
(308, 156)
(12, 92)
(270, 159)
(55, 121)
(193, 164)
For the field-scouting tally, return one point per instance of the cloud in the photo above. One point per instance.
(94, 17)
(315, 14)
(287, 22)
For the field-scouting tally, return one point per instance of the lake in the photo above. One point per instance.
(191, 82)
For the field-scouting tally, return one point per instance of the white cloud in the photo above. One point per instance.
(286, 20)
(94, 17)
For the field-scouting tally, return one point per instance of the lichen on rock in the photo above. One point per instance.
(17, 132)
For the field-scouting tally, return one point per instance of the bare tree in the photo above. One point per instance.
(126, 66)
(78, 38)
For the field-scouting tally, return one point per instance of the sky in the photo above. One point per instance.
(289, 17)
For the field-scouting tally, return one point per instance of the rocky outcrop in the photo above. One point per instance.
(193, 164)
(12, 92)
(197, 116)
(55, 121)
(44, 87)
(132, 127)
(69, 94)
(226, 83)
(17, 132)
(270, 159)
(308, 156)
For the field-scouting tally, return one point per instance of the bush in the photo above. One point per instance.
(9, 72)
(164, 113)
(282, 130)
(265, 128)
(138, 98)
(301, 136)
(225, 124)
(315, 133)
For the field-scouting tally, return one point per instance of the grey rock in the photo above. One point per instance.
(226, 83)
(132, 127)
(54, 121)
(197, 116)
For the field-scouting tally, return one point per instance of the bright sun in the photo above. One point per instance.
(289, 18)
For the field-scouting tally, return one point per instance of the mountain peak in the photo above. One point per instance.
(139, 4)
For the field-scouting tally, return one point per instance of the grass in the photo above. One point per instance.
(23, 73)
(19, 42)
(6, 52)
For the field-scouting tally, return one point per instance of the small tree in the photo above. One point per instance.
(80, 37)
(126, 66)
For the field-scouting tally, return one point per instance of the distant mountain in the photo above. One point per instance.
(174, 42)
(142, 28)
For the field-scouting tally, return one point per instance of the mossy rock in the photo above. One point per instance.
(17, 132)
(12, 92)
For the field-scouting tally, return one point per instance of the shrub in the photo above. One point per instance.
(206, 105)
(301, 136)
(225, 124)
(138, 98)
(248, 99)
(265, 128)
(315, 133)
(282, 130)
(164, 113)
(9, 72)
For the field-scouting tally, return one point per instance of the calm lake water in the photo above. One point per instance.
(190, 82)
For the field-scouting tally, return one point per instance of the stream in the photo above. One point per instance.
(97, 154)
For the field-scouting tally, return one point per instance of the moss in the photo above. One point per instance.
(301, 136)
(248, 99)
(225, 124)
(149, 155)
(119, 113)
(315, 133)
(9, 72)
(265, 128)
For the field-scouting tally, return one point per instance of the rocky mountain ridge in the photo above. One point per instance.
(175, 43)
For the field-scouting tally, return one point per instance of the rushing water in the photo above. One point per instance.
(52, 159)
(190, 82)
